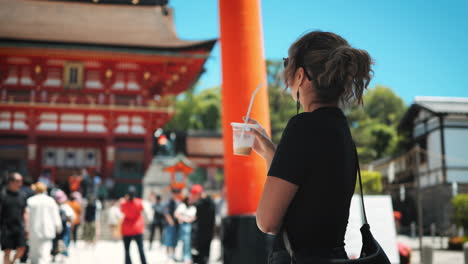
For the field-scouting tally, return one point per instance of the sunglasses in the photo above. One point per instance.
(286, 63)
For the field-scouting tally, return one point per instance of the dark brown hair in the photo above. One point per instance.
(338, 71)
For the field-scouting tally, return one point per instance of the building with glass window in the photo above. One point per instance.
(439, 126)
(84, 84)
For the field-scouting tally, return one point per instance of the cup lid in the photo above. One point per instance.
(243, 125)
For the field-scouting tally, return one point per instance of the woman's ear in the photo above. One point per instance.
(299, 76)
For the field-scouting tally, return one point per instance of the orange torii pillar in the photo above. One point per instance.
(243, 69)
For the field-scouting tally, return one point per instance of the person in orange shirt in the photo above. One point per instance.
(74, 182)
(75, 204)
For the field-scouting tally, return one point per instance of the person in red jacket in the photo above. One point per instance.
(133, 223)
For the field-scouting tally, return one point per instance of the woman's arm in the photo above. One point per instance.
(169, 219)
(276, 197)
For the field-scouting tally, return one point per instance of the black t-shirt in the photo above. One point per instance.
(317, 153)
(90, 212)
(203, 227)
(12, 209)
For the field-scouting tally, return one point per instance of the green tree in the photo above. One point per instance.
(282, 107)
(374, 125)
(460, 204)
(371, 182)
(182, 119)
(200, 111)
(383, 105)
(208, 110)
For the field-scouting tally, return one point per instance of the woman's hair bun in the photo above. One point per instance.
(338, 71)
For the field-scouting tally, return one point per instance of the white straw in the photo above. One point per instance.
(246, 120)
(251, 102)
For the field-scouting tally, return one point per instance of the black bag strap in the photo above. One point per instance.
(360, 185)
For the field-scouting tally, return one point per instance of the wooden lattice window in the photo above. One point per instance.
(73, 75)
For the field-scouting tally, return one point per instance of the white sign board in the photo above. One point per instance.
(379, 211)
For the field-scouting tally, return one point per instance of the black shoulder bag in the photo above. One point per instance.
(371, 252)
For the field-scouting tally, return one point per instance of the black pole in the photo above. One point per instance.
(442, 147)
(419, 202)
(243, 242)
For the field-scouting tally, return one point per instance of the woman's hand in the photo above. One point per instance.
(263, 144)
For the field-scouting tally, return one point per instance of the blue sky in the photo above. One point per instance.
(420, 47)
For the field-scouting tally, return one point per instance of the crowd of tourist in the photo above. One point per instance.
(39, 221)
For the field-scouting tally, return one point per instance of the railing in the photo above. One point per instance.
(162, 104)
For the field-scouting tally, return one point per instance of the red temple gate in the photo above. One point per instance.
(85, 85)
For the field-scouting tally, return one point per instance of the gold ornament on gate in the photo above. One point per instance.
(108, 74)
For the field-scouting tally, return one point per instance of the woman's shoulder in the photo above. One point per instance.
(320, 116)
(302, 120)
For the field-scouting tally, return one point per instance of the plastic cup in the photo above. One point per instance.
(243, 138)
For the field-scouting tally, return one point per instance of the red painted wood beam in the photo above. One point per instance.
(243, 66)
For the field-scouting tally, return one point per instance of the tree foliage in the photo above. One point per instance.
(374, 126)
(384, 106)
(371, 182)
(460, 204)
(200, 111)
(282, 107)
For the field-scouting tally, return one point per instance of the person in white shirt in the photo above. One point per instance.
(186, 214)
(44, 224)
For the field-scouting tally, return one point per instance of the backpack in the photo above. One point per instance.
(63, 218)
(158, 213)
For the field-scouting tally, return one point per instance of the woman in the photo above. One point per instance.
(75, 204)
(186, 214)
(62, 241)
(312, 172)
(133, 224)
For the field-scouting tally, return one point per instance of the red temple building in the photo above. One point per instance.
(84, 84)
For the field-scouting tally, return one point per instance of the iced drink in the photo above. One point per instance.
(243, 138)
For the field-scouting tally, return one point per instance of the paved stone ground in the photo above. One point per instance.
(112, 252)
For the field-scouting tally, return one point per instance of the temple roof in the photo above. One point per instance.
(436, 106)
(87, 23)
